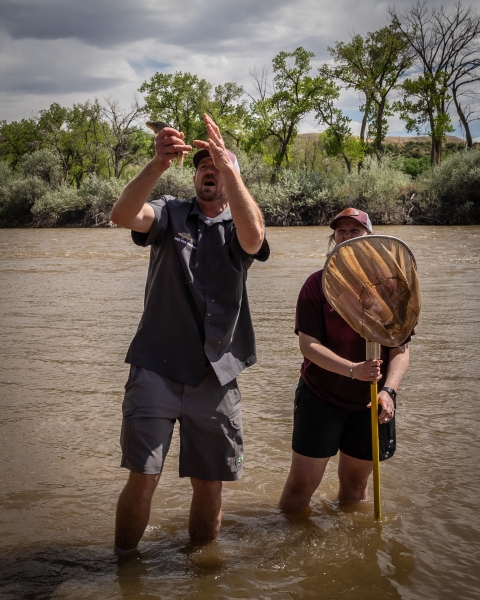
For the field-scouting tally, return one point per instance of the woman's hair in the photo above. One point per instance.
(331, 242)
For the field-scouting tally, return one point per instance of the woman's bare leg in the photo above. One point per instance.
(304, 478)
(353, 474)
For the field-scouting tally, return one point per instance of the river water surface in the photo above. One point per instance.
(70, 304)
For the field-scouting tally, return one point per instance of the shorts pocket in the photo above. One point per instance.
(127, 409)
(387, 437)
(236, 436)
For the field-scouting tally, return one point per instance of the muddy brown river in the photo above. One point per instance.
(70, 304)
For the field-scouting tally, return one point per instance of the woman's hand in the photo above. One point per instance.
(368, 370)
(388, 408)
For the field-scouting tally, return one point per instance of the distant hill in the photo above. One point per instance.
(404, 139)
(400, 139)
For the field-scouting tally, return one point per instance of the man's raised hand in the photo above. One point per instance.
(168, 143)
(215, 145)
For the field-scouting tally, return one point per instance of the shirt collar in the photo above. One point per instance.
(225, 215)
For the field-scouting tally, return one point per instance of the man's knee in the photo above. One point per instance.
(206, 487)
(142, 485)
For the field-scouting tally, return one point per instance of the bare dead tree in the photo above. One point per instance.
(447, 46)
(120, 127)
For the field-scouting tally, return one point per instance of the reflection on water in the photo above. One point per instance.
(70, 303)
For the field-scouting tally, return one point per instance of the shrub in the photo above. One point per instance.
(254, 170)
(416, 166)
(296, 198)
(57, 207)
(176, 181)
(98, 197)
(6, 172)
(450, 192)
(44, 164)
(17, 196)
(379, 188)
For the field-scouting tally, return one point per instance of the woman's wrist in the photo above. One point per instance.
(351, 370)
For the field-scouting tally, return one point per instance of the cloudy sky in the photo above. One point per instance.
(69, 51)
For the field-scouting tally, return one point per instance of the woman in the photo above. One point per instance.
(332, 400)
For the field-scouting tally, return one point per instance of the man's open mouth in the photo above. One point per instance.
(210, 183)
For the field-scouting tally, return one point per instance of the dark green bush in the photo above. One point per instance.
(450, 192)
(176, 181)
(416, 166)
(57, 207)
(43, 164)
(297, 198)
(17, 196)
(98, 197)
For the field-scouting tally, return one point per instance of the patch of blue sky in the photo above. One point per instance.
(148, 65)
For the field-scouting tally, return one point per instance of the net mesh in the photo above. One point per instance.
(372, 282)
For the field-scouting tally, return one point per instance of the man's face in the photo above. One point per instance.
(208, 182)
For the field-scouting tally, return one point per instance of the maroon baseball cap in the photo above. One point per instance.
(357, 215)
(201, 154)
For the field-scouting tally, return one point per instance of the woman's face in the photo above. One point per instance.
(346, 229)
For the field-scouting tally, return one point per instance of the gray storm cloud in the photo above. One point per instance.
(68, 51)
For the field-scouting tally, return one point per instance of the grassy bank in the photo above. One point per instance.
(34, 195)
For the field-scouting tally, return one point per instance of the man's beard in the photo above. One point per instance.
(206, 196)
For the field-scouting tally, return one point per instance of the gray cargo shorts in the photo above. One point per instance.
(211, 437)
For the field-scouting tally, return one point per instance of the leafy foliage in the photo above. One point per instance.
(280, 106)
(179, 100)
(451, 191)
(17, 196)
(44, 164)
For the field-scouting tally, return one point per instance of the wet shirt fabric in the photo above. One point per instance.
(196, 306)
(316, 318)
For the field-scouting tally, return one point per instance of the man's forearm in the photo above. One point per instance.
(245, 212)
(128, 211)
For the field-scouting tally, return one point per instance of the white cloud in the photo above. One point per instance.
(68, 51)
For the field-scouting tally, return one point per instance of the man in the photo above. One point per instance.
(195, 334)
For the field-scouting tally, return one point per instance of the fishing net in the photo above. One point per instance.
(372, 282)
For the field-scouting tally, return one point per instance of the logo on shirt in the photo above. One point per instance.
(186, 239)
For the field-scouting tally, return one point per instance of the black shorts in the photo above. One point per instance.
(320, 429)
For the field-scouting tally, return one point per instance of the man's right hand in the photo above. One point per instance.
(168, 143)
(130, 210)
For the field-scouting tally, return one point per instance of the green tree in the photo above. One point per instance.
(447, 60)
(17, 139)
(77, 137)
(339, 140)
(281, 105)
(373, 66)
(229, 111)
(179, 100)
(424, 108)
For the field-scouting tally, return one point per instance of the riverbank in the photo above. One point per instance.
(448, 194)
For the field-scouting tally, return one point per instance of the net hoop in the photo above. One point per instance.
(372, 283)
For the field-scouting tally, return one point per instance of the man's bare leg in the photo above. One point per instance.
(305, 476)
(205, 511)
(133, 510)
(353, 474)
